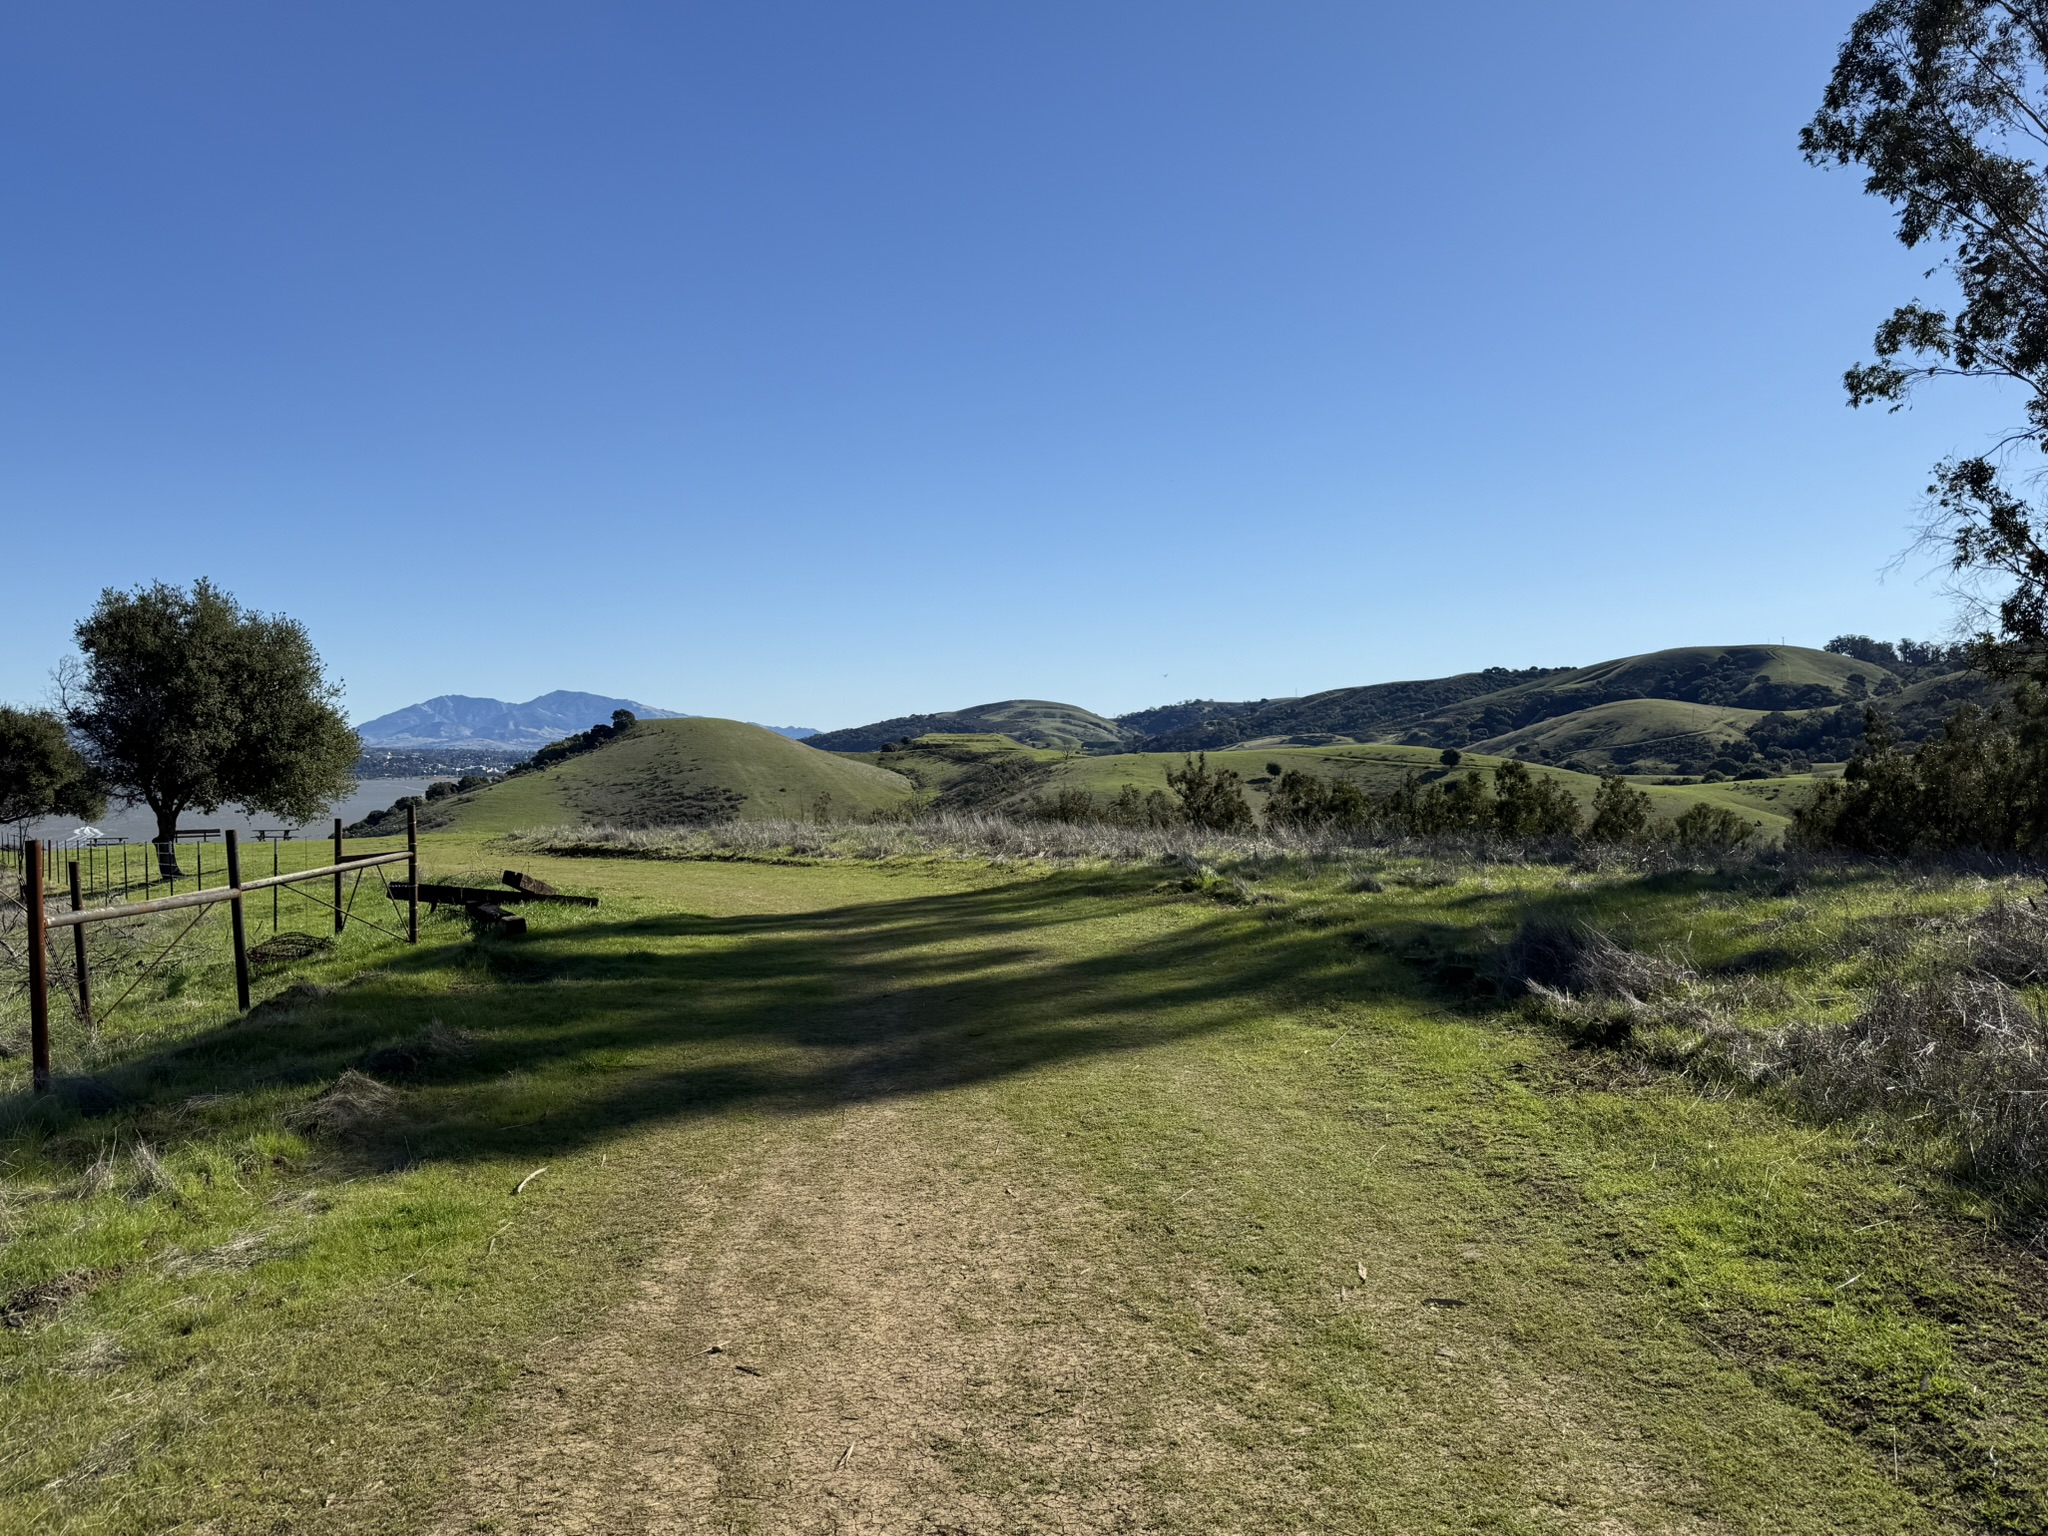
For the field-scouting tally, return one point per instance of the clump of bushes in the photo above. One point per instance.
(1956, 1051)
(1510, 802)
(1981, 784)
(623, 720)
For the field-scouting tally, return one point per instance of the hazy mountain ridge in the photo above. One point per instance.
(452, 719)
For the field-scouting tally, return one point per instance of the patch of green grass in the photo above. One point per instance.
(1593, 735)
(1423, 1264)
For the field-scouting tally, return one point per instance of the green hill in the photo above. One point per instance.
(1033, 722)
(1632, 731)
(666, 772)
(1477, 707)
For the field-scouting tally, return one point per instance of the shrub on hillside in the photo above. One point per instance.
(1210, 799)
(1982, 783)
(1135, 807)
(1704, 828)
(1525, 805)
(1307, 802)
(1621, 813)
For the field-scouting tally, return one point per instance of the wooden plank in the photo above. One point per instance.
(470, 895)
(506, 922)
(528, 884)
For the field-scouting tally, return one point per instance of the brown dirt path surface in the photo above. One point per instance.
(827, 1332)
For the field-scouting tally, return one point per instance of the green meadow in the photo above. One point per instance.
(800, 1190)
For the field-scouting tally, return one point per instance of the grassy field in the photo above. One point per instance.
(1592, 735)
(935, 1193)
(681, 771)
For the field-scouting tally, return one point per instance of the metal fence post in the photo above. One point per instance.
(78, 949)
(235, 923)
(38, 971)
(338, 919)
(412, 874)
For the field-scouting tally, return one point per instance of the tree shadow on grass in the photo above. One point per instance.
(589, 1027)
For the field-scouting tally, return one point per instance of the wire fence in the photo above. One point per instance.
(121, 886)
(112, 869)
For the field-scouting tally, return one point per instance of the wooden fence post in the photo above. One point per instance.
(337, 878)
(78, 950)
(412, 874)
(38, 971)
(235, 922)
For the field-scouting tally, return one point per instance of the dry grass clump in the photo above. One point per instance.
(353, 1100)
(2009, 940)
(1964, 1050)
(956, 835)
(1596, 991)
(998, 838)
(1959, 1052)
(420, 1053)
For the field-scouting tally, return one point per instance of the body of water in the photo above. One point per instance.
(138, 825)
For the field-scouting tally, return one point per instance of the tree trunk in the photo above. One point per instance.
(167, 841)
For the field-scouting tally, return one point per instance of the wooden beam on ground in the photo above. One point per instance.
(508, 923)
(471, 895)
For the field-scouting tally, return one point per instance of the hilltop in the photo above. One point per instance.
(680, 771)
(1686, 710)
(1034, 722)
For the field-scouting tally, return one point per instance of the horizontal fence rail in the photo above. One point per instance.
(76, 919)
(41, 922)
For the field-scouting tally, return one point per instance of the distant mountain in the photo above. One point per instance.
(493, 723)
(1035, 722)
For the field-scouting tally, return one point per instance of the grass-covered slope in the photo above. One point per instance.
(1034, 722)
(677, 771)
(1622, 733)
(1484, 706)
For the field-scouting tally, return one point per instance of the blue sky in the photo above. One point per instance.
(811, 363)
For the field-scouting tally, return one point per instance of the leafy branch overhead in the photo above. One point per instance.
(1944, 105)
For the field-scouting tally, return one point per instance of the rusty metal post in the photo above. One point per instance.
(235, 922)
(78, 950)
(412, 874)
(38, 971)
(338, 919)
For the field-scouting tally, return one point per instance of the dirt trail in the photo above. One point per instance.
(811, 1353)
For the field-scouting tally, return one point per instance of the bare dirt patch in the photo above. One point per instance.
(829, 1340)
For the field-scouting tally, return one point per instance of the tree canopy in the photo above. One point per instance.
(187, 701)
(1944, 104)
(41, 773)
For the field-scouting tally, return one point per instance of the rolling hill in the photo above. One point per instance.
(1033, 722)
(1478, 707)
(1623, 734)
(668, 772)
(994, 773)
